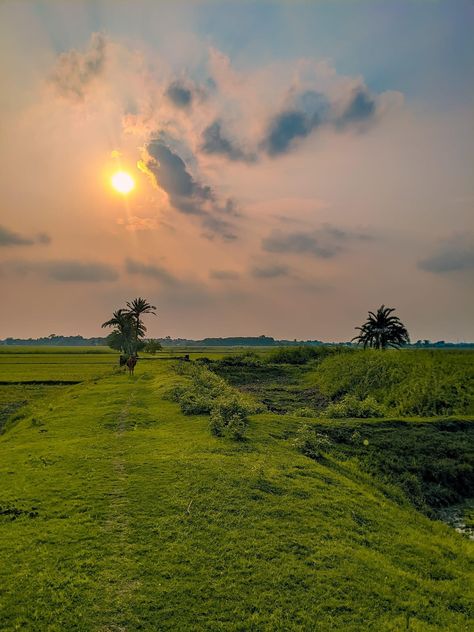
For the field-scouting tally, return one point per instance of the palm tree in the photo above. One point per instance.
(123, 335)
(136, 309)
(381, 330)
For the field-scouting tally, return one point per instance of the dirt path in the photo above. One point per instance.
(120, 583)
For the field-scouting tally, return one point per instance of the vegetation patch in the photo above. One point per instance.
(403, 382)
(432, 462)
(207, 393)
(11, 512)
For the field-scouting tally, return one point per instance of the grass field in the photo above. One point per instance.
(118, 512)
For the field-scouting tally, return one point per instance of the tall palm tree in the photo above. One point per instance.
(122, 337)
(136, 309)
(381, 330)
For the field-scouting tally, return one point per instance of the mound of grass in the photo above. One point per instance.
(404, 382)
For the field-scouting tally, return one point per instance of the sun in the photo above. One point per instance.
(123, 182)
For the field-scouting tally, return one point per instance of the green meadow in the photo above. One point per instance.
(121, 510)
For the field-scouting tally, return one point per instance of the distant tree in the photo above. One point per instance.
(128, 327)
(152, 346)
(122, 337)
(381, 330)
(136, 309)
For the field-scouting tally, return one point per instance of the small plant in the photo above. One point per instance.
(311, 443)
(305, 411)
(351, 406)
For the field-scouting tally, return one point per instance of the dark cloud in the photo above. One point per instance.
(79, 271)
(214, 142)
(150, 270)
(74, 71)
(179, 94)
(270, 271)
(187, 195)
(323, 243)
(361, 108)
(224, 275)
(10, 238)
(171, 174)
(65, 270)
(299, 243)
(453, 255)
(217, 226)
(310, 111)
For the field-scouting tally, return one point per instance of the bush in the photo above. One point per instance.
(351, 406)
(303, 354)
(305, 411)
(229, 417)
(194, 402)
(311, 443)
(152, 346)
(246, 358)
(208, 393)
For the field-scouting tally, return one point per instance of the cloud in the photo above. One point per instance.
(186, 194)
(453, 255)
(323, 243)
(150, 270)
(214, 142)
(360, 109)
(179, 94)
(65, 270)
(224, 275)
(74, 71)
(270, 271)
(298, 243)
(309, 112)
(10, 238)
(79, 271)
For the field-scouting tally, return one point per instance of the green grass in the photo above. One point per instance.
(120, 513)
(60, 367)
(406, 382)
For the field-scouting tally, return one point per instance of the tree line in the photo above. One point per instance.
(381, 330)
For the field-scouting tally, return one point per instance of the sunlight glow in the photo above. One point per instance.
(123, 182)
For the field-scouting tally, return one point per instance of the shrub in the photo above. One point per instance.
(352, 406)
(246, 358)
(207, 393)
(152, 346)
(304, 411)
(229, 416)
(311, 443)
(194, 402)
(303, 354)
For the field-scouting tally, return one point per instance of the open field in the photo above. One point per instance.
(119, 512)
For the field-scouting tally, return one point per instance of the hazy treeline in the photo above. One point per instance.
(232, 341)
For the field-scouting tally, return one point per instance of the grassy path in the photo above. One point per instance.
(132, 517)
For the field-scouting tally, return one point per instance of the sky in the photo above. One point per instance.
(296, 165)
